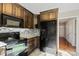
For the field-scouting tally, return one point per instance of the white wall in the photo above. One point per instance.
(70, 14)
(77, 36)
(61, 30)
(70, 31)
(35, 19)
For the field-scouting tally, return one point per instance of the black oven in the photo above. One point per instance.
(11, 21)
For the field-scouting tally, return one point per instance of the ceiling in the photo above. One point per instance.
(36, 8)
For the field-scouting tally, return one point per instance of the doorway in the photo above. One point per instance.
(67, 36)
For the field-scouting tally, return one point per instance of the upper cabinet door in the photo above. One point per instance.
(17, 10)
(25, 19)
(49, 15)
(44, 16)
(0, 7)
(30, 21)
(7, 8)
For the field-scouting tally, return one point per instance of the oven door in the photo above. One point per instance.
(10, 21)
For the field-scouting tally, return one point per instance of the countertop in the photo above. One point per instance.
(24, 32)
(30, 34)
(2, 44)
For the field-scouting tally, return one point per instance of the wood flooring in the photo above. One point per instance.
(65, 45)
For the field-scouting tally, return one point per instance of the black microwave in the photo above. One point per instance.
(11, 21)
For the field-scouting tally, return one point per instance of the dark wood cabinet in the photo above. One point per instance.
(32, 44)
(49, 15)
(18, 11)
(7, 8)
(24, 14)
(30, 21)
(25, 19)
(12, 9)
(0, 7)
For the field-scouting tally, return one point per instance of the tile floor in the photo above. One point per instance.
(37, 52)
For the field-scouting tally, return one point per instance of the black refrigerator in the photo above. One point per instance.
(48, 35)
